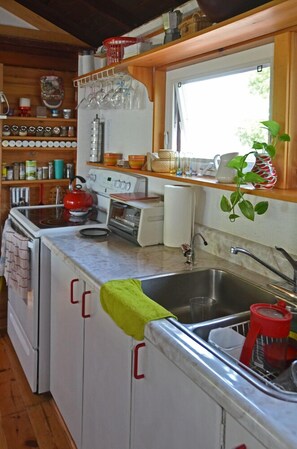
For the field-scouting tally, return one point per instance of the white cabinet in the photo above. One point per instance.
(90, 364)
(236, 437)
(169, 410)
(67, 338)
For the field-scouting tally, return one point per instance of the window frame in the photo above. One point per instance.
(234, 62)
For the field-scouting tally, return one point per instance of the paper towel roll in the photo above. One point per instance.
(178, 214)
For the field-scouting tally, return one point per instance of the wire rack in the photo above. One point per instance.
(256, 365)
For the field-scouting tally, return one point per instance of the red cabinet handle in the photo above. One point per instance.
(242, 446)
(135, 368)
(72, 282)
(83, 305)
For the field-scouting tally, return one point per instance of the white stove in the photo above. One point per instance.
(28, 320)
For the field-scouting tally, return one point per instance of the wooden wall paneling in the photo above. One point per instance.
(159, 109)
(25, 82)
(285, 106)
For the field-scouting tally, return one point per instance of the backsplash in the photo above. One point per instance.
(219, 244)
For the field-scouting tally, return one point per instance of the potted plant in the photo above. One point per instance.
(237, 203)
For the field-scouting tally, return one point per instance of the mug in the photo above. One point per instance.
(59, 168)
(224, 173)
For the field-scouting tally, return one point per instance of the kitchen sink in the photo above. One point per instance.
(231, 298)
(229, 294)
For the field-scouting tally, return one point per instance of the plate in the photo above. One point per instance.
(94, 232)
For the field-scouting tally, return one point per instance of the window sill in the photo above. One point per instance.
(289, 195)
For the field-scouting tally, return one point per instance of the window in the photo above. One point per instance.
(214, 106)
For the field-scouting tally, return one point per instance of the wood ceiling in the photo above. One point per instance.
(92, 21)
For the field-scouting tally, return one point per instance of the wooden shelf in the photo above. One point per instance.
(41, 138)
(60, 120)
(26, 182)
(277, 194)
(262, 22)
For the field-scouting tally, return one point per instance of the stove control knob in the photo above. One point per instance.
(117, 184)
(123, 185)
(128, 186)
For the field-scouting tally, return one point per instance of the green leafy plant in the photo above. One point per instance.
(237, 203)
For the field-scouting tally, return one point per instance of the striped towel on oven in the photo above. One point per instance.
(15, 257)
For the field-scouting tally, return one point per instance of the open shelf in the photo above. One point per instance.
(277, 194)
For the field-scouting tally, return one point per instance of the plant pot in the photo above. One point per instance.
(218, 10)
(264, 167)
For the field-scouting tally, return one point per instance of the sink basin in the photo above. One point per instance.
(230, 293)
(266, 381)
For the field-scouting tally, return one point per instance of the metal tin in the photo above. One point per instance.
(67, 113)
(39, 172)
(47, 131)
(6, 130)
(71, 131)
(23, 131)
(69, 170)
(16, 170)
(31, 170)
(14, 130)
(22, 170)
(39, 131)
(64, 131)
(51, 170)
(9, 175)
(56, 131)
(45, 172)
(32, 131)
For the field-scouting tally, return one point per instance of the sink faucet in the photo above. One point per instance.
(293, 263)
(189, 250)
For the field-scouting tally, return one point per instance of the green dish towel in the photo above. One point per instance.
(129, 307)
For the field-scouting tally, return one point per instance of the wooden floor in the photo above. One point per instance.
(27, 420)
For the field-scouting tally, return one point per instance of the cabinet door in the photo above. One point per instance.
(107, 381)
(169, 410)
(67, 326)
(236, 437)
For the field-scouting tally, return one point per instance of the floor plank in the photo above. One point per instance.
(27, 420)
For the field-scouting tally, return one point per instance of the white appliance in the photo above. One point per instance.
(28, 320)
(140, 222)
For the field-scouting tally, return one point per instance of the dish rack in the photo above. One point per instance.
(263, 374)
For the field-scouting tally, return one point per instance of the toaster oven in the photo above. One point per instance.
(140, 222)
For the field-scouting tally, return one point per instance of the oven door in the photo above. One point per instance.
(22, 322)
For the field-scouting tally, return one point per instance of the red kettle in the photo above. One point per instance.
(77, 198)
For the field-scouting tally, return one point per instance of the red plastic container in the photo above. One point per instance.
(115, 47)
(269, 324)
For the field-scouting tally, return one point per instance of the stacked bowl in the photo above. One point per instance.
(165, 163)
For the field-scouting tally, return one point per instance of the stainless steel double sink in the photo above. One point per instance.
(231, 297)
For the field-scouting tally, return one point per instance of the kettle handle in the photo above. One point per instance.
(77, 177)
(81, 179)
(247, 350)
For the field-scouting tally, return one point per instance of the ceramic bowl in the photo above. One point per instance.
(166, 154)
(161, 166)
(136, 161)
(110, 159)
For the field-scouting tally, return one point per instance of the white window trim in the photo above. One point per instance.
(236, 61)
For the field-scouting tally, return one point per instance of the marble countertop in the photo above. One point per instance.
(271, 420)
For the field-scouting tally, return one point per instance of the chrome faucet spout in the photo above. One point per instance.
(236, 250)
(189, 250)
